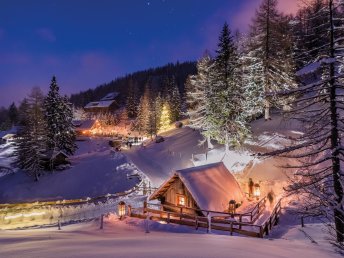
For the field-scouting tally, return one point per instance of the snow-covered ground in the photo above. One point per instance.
(95, 171)
(128, 238)
(158, 160)
(181, 149)
(6, 157)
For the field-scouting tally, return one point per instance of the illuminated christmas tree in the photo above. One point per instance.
(165, 120)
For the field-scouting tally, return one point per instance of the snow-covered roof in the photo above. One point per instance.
(313, 67)
(53, 154)
(9, 133)
(110, 96)
(212, 186)
(99, 104)
(81, 125)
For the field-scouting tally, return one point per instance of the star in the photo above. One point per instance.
(148, 3)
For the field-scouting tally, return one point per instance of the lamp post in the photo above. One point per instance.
(232, 206)
(256, 191)
(121, 209)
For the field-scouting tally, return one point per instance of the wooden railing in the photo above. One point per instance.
(250, 216)
(272, 220)
(213, 220)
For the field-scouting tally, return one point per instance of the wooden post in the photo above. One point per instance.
(261, 232)
(147, 223)
(231, 229)
(302, 222)
(270, 224)
(101, 221)
(168, 217)
(181, 211)
(129, 210)
(59, 225)
(240, 220)
(209, 222)
(196, 222)
(144, 206)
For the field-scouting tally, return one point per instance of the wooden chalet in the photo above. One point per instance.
(84, 127)
(106, 104)
(203, 188)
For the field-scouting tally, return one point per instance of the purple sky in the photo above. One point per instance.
(86, 43)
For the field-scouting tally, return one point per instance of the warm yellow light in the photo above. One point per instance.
(27, 215)
(256, 191)
(165, 121)
(232, 206)
(121, 209)
(181, 200)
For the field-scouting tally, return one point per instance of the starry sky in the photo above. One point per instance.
(89, 42)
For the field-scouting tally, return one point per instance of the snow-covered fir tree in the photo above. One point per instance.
(132, 99)
(224, 115)
(196, 94)
(270, 52)
(252, 80)
(58, 114)
(13, 114)
(31, 144)
(154, 116)
(173, 97)
(319, 177)
(143, 112)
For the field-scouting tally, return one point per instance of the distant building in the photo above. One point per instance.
(54, 159)
(9, 135)
(106, 104)
(84, 127)
(207, 188)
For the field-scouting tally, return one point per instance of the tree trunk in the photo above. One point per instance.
(267, 110)
(336, 170)
(209, 144)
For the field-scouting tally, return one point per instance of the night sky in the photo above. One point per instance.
(86, 43)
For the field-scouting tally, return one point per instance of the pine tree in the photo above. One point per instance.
(13, 113)
(165, 120)
(252, 81)
(174, 99)
(22, 111)
(271, 52)
(143, 113)
(196, 94)
(31, 144)
(59, 115)
(225, 120)
(132, 99)
(319, 179)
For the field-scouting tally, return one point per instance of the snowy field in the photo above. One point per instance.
(128, 238)
(95, 171)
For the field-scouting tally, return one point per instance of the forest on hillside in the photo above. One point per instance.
(156, 76)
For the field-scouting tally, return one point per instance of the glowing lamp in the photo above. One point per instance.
(232, 206)
(256, 191)
(121, 209)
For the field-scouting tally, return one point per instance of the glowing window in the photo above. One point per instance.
(181, 200)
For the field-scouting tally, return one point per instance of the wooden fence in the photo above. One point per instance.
(249, 217)
(214, 220)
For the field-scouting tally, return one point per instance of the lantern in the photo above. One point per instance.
(121, 209)
(232, 206)
(256, 192)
